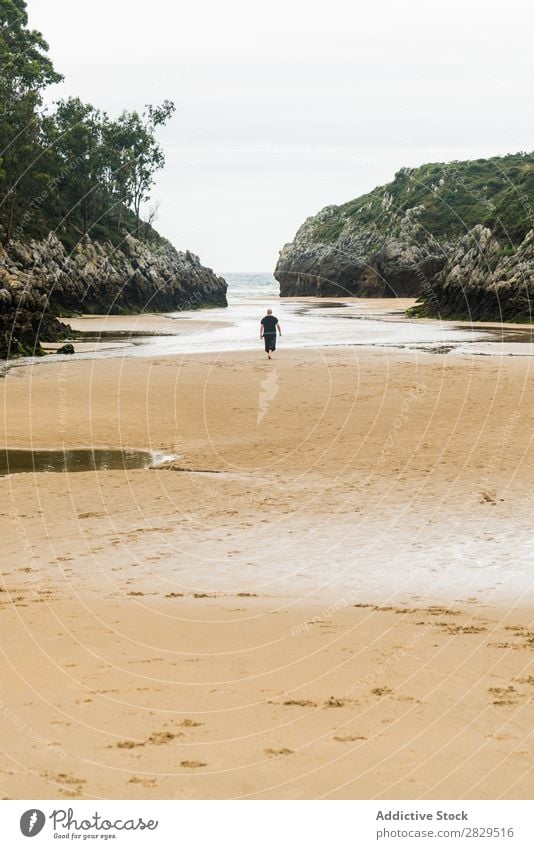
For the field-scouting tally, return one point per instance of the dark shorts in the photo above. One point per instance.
(270, 341)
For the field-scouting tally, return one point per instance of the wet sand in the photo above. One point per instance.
(359, 322)
(327, 593)
(142, 323)
(140, 696)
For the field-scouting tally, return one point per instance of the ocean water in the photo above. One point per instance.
(251, 284)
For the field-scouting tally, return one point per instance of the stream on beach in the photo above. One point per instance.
(305, 322)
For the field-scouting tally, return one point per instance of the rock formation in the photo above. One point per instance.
(457, 235)
(362, 262)
(483, 280)
(40, 281)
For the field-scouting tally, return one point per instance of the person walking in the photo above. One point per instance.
(268, 327)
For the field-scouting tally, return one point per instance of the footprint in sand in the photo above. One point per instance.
(527, 635)
(158, 738)
(276, 752)
(148, 660)
(452, 628)
(300, 703)
(144, 782)
(334, 702)
(192, 764)
(74, 785)
(348, 738)
(63, 778)
(505, 695)
(435, 610)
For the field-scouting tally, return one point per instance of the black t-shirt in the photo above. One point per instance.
(269, 324)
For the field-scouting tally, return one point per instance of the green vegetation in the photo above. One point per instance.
(446, 200)
(329, 231)
(74, 170)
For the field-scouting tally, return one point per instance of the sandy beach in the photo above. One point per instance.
(326, 593)
(267, 431)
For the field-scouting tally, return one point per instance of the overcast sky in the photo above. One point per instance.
(286, 106)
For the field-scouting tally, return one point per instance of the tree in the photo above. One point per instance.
(74, 170)
(25, 71)
(75, 135)
(141, 156)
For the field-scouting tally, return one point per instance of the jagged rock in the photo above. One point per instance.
(484, 280)
(361, 262)
(23, 329)
(39, 279)
(66, 349)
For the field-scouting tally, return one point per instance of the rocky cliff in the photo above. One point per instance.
(362, 260)
(437, 232)
(483, 279)
(40, 281)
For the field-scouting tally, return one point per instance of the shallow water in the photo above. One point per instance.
(14, 461)
(305, 323)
